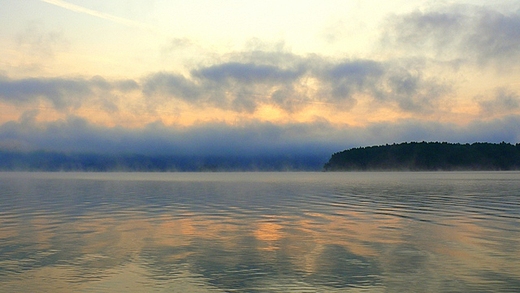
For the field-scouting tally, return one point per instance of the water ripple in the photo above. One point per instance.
(260, 232)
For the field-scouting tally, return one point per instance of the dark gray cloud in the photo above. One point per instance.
(123, 85)
(249, 85)
(255, 138)
(496, 36)
(61, 92)
(171, 84)
(241, 87)
(477, 34)
(357, 71)
(396, 83)
(352, 77)
(423, 29)
(503, 102)
(287, 97)
(411, 91)
(126, 85)
(245, 86)
(162, 87)
(246, 73)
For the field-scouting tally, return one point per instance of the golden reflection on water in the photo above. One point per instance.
(330, 250)
(112, 246)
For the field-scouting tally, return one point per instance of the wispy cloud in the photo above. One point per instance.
(477, 34)
(99, 14)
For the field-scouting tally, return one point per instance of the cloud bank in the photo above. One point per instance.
(245, 86)
(428, 80)
(76, 134)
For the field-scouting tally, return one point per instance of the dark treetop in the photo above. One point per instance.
(428, 156)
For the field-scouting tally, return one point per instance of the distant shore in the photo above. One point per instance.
(46, 161)
(428, 156)
(412, 156)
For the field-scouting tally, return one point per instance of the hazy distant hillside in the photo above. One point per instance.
(428, 156)
(57, 161)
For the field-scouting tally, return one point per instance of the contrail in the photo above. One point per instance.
(80, 9)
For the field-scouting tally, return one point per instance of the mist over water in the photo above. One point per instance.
(260, 232)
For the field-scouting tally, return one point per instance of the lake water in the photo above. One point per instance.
(260, 232)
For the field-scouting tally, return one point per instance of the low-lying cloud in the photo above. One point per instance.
(76, 134)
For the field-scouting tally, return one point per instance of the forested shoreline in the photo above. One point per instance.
(428, 156)
(408, 156)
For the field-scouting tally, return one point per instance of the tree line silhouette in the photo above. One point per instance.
(428, 156)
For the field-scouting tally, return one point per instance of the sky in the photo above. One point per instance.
(247, 77)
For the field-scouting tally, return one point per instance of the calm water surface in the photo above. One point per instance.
(260, 232)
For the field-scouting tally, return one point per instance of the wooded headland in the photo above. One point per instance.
(427, 156)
